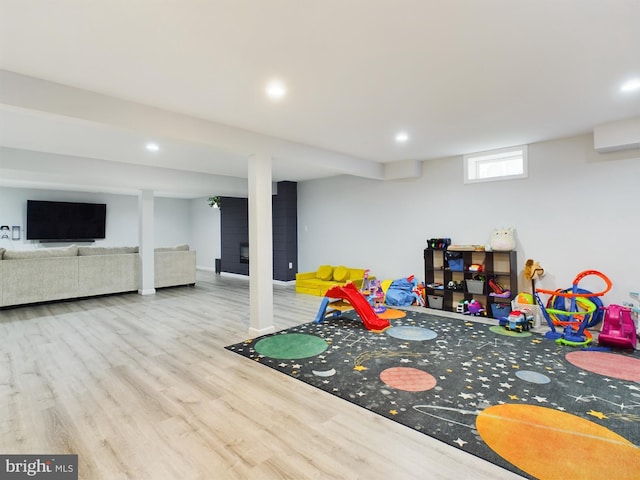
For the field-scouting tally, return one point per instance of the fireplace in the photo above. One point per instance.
(244, 253)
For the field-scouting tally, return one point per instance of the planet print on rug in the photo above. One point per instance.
(291, 346)
(408, 379)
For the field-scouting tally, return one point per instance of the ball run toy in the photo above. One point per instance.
(574, 309)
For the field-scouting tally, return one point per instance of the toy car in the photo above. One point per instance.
(518, 320)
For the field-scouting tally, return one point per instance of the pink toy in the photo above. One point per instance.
(618, 328)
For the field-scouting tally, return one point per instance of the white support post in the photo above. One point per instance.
(260, 246)
(145, 225)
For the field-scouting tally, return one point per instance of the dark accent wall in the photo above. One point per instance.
(285, 231)
(234, 227)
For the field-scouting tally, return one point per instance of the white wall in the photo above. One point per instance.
(205, 233)
(577, 211)
(172, 222)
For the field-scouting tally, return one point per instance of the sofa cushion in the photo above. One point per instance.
(356, 272)
(317, 283)
(85, 251)
(70, 251)
(341, 274)
(324, 272)
(2, 250)
(177, 248)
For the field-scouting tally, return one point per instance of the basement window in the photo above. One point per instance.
(502, 164)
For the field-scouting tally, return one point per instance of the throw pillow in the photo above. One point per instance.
(341, 274)
(324, 272)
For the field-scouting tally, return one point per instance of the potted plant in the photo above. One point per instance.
(214, 201)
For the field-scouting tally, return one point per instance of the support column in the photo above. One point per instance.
(146, 241)
(260, 246)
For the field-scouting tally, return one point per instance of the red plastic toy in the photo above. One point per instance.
(360, 304)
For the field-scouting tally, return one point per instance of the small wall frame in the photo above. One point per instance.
(15, 232)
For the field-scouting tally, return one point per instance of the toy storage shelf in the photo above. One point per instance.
(501, 266)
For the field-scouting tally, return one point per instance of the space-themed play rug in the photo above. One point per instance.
(517, 400)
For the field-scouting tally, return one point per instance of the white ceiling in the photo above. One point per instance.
(459, 76)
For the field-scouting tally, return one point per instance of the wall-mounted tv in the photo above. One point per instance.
(65, 221)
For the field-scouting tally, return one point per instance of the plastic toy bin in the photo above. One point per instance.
(454, 261)
(456, 265)
(435, 301)
(500, 310)
(475, 286)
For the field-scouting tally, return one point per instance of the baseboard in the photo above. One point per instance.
(275, 282)
(205, 269)
(258, 332)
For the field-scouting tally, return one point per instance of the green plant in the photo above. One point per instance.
(214, 202)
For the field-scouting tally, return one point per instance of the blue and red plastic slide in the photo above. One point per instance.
(360, 304)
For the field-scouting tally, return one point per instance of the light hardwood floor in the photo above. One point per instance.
(141, 387)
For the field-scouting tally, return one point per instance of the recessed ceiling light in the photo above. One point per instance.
(152, 147)
(631, 85)
(276, 90)
(402, 137)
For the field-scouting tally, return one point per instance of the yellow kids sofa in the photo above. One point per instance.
(327, 276)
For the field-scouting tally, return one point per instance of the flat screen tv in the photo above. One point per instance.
(65, 221)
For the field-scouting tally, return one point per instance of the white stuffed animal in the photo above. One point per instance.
(502, 240)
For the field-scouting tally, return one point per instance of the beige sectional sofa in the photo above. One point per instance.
(46, 274)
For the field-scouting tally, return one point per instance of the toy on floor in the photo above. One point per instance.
(365, 282)
(360, 304)
(584, 310)
(419, 295)
(525, 298)
(376, 296)
(470, 307)
(518, 320)
(403, 292)
(618, 328)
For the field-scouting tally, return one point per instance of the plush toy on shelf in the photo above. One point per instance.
(502, 240)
